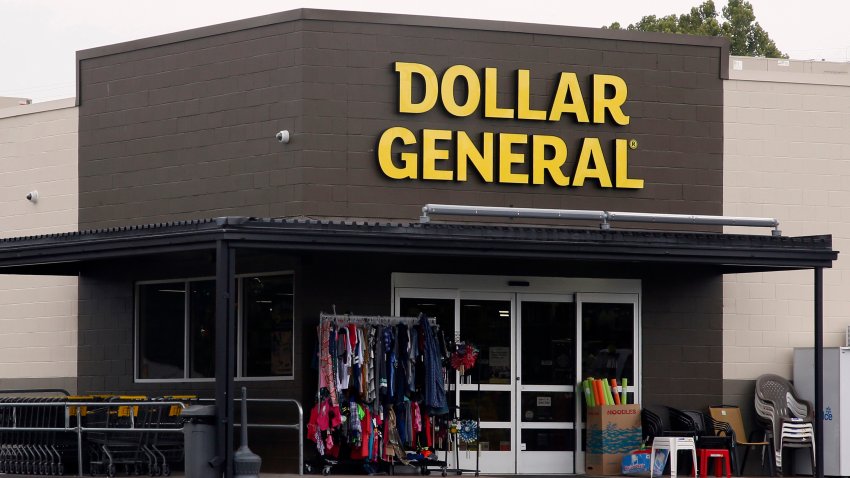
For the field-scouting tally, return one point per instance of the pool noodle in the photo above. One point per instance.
(588, 397)
(600, 396)
(614, 391)
(625, 393)
(604, 387)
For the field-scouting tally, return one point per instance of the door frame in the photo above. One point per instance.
(637, 361)
(494, 457)
(540, 458)
(457, 286)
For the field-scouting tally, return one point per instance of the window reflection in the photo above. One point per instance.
(548, 338)
(267, 329)
(161, 330)
(487, 324)
(166, 315)
(202, 329)
(608, 341)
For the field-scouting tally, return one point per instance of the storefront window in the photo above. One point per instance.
(202, 329)
(267, 326)
(176, 333)
(161, 330)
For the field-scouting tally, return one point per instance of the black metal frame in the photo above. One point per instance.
(69, 253)
(225, 355)
(818, 299)
(731, 253)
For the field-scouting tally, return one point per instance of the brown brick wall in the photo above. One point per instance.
(185, 130)
(683, 340)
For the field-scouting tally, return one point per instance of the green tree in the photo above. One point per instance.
(746, 36)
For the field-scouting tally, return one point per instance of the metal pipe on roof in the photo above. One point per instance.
(606, 217)
(491, 211)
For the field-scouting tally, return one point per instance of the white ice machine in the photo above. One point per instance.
(836, 406)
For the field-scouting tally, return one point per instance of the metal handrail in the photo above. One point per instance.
(288, 426)
(79, 429)
(36, 390)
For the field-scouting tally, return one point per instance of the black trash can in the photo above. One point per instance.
(199, 440)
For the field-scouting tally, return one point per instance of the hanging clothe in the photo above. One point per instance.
(402, 359)
(412, 359)
(326, 362)
(392, 441)
(377, 380)
(435, 389)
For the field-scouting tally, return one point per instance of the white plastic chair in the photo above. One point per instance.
(674, 444)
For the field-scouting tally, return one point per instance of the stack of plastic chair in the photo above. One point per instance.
(668, 421)
(651, 425)
(713, 441)
(789, 418)
(670, 429)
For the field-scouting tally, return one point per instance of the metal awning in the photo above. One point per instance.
(730, 253)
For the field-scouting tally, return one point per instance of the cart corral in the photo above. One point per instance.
(102, 435)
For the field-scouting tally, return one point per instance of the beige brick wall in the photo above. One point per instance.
(38, 315)
(786, 155)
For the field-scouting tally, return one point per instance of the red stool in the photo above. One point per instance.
(707, 453)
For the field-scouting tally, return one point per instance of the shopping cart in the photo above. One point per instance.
(163, 449)
(32, 441)
(109, 446)
(143, 446)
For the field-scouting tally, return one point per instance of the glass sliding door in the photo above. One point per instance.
(533, 350)
(546, 404)
(487, 391)
(610, 346)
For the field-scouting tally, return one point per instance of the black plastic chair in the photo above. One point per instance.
(713, 435)
(672, 422)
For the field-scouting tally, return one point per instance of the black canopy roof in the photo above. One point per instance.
(61, 253)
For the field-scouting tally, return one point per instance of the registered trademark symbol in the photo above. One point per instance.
(633, 144)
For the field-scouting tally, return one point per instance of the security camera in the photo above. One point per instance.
(282, 136)
(32, 196)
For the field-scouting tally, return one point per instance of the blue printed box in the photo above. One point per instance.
(612, 432)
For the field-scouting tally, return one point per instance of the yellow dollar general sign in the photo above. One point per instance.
(493, 159)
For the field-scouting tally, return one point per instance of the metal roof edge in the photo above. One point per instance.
(429, 239)
(402, 19)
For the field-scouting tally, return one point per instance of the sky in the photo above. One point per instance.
(39, 38)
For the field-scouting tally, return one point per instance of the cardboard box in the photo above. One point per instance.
(612, 432)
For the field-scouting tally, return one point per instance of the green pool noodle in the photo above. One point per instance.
(585, 385)
(624, 400)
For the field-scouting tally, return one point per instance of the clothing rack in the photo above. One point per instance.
(382, 369)
(455, 442)
(373, 319)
